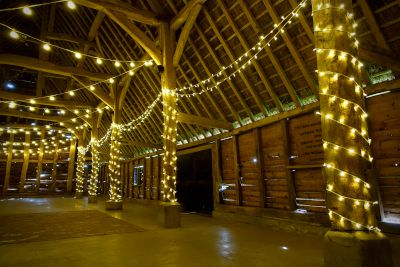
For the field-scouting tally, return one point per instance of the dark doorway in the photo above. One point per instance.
(195, 183)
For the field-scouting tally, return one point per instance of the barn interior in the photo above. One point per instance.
(214, 132)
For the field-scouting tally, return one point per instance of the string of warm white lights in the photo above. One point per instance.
(79, 170)
(247, 57)
(351, 151)
(47, 46)
(91, 87)
(27, 9)
(358, 111)
(114, 165)
(357, 225)
(344, 174)
(95, 171)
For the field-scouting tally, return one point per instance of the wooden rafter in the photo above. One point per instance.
(44, 101)
(137, 34)
(183, 14)
(185, 33)
(125, 142)
(373, 25)
(127, 10)
(68, 38)
(389, 85)
(205, 122)
(34, 116)
(293, 50)
(98, 92)
(45, 66)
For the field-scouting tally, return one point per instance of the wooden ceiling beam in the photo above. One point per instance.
(384, 86)
(183, 14)
(127, 10)
(68, 38)
(255, 96)
(373, 25)
(137, 35)
(126, 142)
(185, 33)
(379, 57)
(34, 116)
(293, 50)
(44, 101)
(202, 121)
(98, 92)
(45, 66)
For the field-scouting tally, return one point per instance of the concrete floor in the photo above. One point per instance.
(202, 241)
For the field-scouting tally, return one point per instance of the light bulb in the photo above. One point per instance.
(78, 55)
(27, 11)
(47, 47)
(131, 73)
(71, 93)
(71, 5)
(92, 87)
(111, 80)
(52, 98)
(99, 61)
(14, 34)
(47, 111)
(117, 64)
(12, 105)
(32, 101)
(132, 64)
(32, 108)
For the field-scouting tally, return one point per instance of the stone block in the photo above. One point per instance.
(169, 215)
(357, 249)
(113, 205)
(92, 199)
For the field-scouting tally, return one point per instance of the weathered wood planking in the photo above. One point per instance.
(384, 122)
(249, 170)
(274, 167)
(228, 172)
(305, 140)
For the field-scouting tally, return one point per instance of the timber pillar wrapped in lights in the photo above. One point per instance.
(114, 166)
(346, 142)
(80, 169)
(169, 215)
(95, 163)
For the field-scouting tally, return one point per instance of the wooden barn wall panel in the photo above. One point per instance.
(147, 179)
(228, 172)
(301, 155)
(276, 192)
(249, 176)
(384, 122)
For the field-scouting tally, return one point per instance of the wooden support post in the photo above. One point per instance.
(159, 176)
(25, 165)
(80, 168)
(238, 178)
(54, 167)
(344, 121)
(260, 165)
(130, 175)
(94, 178)
(40, 161)
(289, 176)
(114, 167)
(71, 165)
(168, 82)
(144, 175)
(151, 179)
(8, 164)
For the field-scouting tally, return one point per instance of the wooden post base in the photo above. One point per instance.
(169, 215)
(113, 205)
(92, 199)
(78, 195)
(357, 249)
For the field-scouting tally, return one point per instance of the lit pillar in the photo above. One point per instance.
(80, 168)
(114, 166)
(170, 209)
(95, 167)
(347, 153)
(26, 161)
(168, 83)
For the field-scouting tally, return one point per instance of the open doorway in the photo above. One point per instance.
(195, 183)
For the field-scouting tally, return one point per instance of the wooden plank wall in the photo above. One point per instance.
(279, 165)
(384, 122)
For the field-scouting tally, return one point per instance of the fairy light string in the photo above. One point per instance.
(352, 116)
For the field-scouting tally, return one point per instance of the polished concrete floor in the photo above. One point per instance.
(202, 241)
